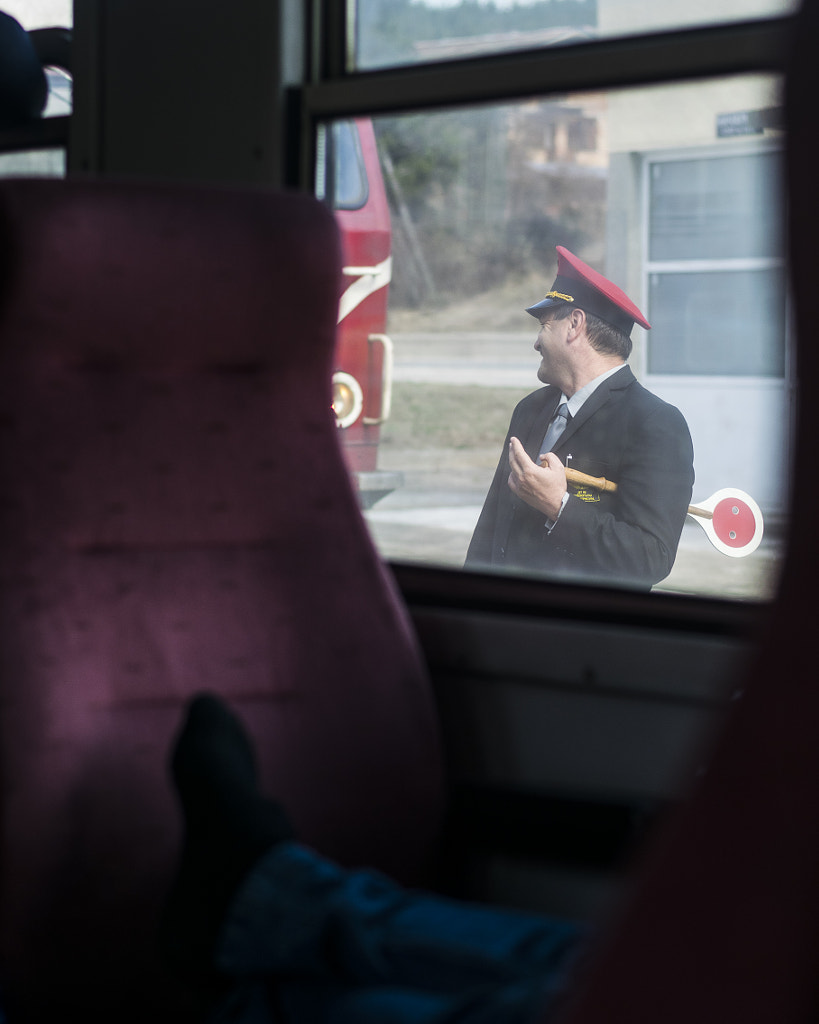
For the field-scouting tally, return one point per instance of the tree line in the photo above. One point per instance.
(387, 30)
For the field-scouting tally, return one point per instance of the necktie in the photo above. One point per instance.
(556, 428)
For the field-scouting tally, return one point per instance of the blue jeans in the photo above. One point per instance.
(339, 946)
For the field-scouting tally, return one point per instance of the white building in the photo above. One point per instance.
(696, 230)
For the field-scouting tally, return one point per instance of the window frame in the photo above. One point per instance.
(331, 91)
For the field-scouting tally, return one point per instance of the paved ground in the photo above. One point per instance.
(435, 525)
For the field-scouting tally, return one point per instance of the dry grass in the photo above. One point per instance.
(454, 417)
(497, 309)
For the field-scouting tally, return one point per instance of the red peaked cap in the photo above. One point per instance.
(576, 282)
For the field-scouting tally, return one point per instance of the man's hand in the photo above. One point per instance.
(541, 486)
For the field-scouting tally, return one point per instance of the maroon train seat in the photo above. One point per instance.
(176, 517)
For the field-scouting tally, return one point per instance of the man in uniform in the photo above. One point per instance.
(593, 417)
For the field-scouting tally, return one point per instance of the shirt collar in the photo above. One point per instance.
(575, 403)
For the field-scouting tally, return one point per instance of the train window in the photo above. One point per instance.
(34, 15)
(478, 200)
(396, 32)
(33, 163)
(340, 170)
(60, 93)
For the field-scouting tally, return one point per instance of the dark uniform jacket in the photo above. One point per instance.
(624, 433)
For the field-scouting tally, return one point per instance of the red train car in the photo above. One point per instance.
(350, 176)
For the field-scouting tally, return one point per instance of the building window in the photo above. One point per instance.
(716, 277)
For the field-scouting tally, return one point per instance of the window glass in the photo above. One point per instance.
(719, 206)
(33, 163)
(716, 263)
(60, 93)
(394, 32)
(41, 14)
(340, 170)
(477, 200)
(718, 322)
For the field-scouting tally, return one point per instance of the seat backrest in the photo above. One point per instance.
(175, 516)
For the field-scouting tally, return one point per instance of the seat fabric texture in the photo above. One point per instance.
(175, 516)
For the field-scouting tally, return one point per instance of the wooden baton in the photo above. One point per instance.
(600, 483)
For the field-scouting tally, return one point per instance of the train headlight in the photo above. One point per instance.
(348, 399)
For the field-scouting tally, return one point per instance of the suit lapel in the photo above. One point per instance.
(599, 397)
(534, 429)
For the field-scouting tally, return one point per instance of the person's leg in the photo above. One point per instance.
(298, 915)
(281, 912)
